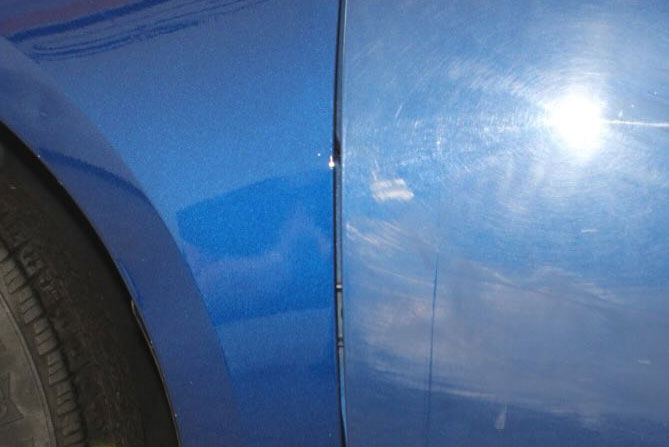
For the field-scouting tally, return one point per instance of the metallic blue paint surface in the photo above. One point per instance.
(196, 136)
(506, 223)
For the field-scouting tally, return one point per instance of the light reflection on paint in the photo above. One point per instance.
(576, 121)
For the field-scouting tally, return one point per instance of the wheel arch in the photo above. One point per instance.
(66, 146)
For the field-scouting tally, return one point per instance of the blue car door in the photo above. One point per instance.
(505, 222)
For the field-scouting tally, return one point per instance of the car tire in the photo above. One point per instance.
(71, 353)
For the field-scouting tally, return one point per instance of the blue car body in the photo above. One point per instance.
(506, 223)
(196, 136)
(470, 198)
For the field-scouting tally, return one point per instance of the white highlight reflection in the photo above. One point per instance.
(577, 122)
(393, 189)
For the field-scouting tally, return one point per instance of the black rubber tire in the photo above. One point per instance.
(74, 369)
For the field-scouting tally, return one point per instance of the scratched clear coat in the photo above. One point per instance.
(506, 223)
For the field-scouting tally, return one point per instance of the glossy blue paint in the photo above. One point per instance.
(196, 136)
(506, 223)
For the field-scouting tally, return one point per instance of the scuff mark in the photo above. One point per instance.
(500, 422)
